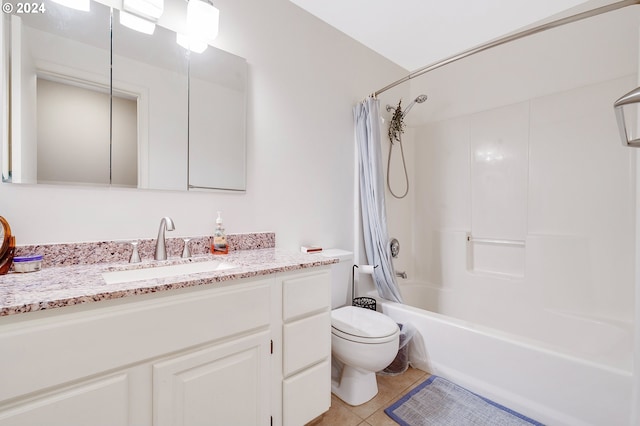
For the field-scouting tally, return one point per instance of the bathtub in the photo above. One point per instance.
(555, 367)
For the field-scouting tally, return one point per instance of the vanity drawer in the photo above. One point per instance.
(306, 342)
(305, 294)
(307, 394)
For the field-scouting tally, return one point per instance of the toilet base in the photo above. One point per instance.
(355, 386)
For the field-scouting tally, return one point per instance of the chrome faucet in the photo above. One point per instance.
(161, 247)
(401, 275)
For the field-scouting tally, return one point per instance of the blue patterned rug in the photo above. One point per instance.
(438, 402)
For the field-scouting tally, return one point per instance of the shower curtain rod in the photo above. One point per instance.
(509, 38)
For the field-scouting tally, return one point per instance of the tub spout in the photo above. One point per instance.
(161, 247)
(401, 275)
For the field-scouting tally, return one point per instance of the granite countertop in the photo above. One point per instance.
(54, 287)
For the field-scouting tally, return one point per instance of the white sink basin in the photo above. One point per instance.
(165, 271)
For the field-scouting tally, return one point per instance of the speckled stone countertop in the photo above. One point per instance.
(60, 286)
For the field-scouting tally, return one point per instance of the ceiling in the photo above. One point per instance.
(416, 33)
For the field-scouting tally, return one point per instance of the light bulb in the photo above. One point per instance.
(83, 5)
(192, 44)
(202, 20)
(136, 23)
(148, 9)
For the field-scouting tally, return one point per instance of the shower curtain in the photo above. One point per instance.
(374, 217)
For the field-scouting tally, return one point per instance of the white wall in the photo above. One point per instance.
(304, 78)
(635, 401)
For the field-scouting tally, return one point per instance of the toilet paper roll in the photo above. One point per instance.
(366, 269)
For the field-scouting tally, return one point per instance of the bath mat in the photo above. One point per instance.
(438, 402)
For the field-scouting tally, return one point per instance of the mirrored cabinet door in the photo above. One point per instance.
(151, 82)
(94, 102)
(216, 128)
(60, 84)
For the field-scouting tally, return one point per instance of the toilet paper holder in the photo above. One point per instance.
(362, 302)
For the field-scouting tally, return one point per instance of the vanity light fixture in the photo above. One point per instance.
(149, 9)
(202, 20)
(627, 110)
(191, 43)
(141, 15)
(83, 5)
(136, 23)
(202, 26)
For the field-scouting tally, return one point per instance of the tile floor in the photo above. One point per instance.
(390, 389)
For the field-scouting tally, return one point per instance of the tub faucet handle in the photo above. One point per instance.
(401, 275)
(394, 244)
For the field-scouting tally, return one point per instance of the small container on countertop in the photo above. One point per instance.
(29, 263)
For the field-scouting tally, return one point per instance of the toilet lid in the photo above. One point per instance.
(362, 322)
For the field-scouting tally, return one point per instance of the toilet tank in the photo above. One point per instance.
(340, 276)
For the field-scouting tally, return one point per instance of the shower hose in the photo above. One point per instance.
(398, 138)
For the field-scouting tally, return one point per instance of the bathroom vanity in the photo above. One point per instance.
(240, 346)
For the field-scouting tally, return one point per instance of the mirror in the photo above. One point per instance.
(63, 53)
(154, 70)
(215, 128)
(5, 236)
(162, 118)
(7, 246)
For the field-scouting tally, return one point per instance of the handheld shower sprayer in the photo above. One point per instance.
(396, 128)
(420, 99)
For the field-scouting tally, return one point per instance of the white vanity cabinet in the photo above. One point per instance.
(171, 358)
(306, 346)
(245, 352)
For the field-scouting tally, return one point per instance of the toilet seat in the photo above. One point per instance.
(362, 325)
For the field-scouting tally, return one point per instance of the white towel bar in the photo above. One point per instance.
(494, 241)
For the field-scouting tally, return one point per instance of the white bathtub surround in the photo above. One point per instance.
(574, 220)
(520, 144)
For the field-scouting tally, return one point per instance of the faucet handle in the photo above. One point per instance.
(401, 274)
(135, 256)
(185, 251)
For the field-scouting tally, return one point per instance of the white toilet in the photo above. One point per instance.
(364, 341)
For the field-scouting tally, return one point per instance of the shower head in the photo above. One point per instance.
(420, 99)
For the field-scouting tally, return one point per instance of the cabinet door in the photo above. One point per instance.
(224, 384)
(103, 401)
